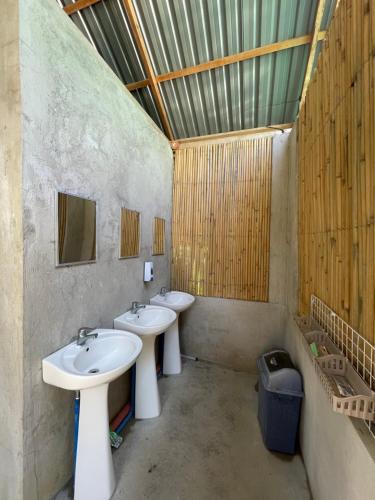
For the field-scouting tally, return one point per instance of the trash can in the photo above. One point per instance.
(280, 398)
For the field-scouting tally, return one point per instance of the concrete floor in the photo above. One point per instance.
(206, 445)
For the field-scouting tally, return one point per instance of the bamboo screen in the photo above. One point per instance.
(336, 149)
(221, 219)
(130, 231)
(159, 236)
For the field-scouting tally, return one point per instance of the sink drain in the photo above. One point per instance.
(94, 370)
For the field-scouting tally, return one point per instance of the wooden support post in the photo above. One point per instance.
(313, 46)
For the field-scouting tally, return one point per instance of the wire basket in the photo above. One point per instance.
(307, 324)
(362, 404)
(321, 339)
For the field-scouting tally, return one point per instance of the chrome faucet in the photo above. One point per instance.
(84, 334)
(136, 306)
(163, 291)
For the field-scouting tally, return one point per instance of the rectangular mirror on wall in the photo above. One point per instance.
(130, 233)
(159, 236)
(76, 229)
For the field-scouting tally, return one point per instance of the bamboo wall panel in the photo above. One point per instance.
(130, 232)
(221, 219)
(336, 149)
(159, 236)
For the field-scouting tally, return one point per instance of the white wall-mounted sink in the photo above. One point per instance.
(147, 322)
(89, 368)
(178, 302)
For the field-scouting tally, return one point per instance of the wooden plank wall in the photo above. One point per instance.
(130, 231)
(336, 149)
(221, 219)
(159, 236)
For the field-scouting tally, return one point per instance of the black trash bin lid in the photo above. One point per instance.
(277, 360)
(278, 373)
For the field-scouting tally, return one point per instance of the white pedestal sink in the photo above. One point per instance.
(89, 368)
(178, 302)
(147, 322)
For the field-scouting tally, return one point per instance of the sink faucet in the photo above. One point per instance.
(84, 334)
(163, 291)
(136, 306)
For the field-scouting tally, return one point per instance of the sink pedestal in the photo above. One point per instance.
(94, 475)
(147, 399)
(172, 356)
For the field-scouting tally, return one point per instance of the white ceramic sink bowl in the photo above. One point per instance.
(99, 361)
(108, 356)
(147, 322)
(178, 302)
(151, 320)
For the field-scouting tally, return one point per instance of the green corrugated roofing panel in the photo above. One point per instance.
(184, 33)
(250, 94)
(181, 33)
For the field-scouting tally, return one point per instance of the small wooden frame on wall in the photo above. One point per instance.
(158, 247)
(129, 233)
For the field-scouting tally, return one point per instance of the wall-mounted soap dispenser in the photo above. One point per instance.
(148, 274)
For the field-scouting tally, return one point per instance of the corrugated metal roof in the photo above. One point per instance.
(182, 33)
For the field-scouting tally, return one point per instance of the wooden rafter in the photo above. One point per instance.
(138, 85)
(79, 5)
(193, 141)
(241, 56)
(146, 61)
(313, 46)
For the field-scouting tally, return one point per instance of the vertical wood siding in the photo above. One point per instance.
(130, 230)
(221, 219)
(159, 236)
(336, 149)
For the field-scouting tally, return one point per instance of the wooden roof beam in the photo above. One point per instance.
(79, 5)
(146, 61)
(138, 85)
(241, 56)
(225, 136)
(313, 47)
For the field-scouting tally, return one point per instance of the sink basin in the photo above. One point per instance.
(147, 322)
(97, 362)
(178, 302)
(150, 320)
(89, 368)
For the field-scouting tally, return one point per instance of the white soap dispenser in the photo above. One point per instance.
(148, 274)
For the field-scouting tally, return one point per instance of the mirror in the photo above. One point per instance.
(76, 229)
(130, 233)
(159, 236)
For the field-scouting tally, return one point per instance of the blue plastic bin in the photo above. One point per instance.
(280, 398)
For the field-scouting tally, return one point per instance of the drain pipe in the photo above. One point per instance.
(187, 356)
(76, 425)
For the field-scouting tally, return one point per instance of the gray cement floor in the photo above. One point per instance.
(206, 445)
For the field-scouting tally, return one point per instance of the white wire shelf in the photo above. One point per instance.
(358, 351)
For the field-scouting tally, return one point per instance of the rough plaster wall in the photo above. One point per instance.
(235, 332)
(10, 257)
(83, 134)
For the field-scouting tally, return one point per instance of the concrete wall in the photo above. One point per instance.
(83, 133)
(10, 256)
(235, 332)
